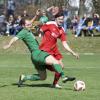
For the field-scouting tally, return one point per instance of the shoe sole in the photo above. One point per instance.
(20, 82)
(69, 79)
(58, 87)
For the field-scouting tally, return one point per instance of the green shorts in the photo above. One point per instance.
(38, 59)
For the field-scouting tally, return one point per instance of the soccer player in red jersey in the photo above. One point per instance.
(51, 31)
(39, 58)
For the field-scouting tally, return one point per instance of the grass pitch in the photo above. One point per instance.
(16, 61)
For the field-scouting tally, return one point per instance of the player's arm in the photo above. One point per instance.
(14, 39)
(36, 15)
(66, 46)
(50, 8)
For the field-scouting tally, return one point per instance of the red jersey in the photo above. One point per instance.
(49, 40)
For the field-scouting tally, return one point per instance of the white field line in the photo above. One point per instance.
(15, 66)
(86, 53)
(31, 66)
(83, 53)
(7, 78)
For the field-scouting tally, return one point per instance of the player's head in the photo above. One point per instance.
(59, 18)
(22, 25)
(22, 22)
(25, 23)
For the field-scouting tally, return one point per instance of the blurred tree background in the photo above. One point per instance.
(97, 6)
(31, 5)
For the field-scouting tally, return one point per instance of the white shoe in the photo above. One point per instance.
(92, 35)
(57, 86)
(21, 80)
(76, 36)
(22, 77)
(7, 32)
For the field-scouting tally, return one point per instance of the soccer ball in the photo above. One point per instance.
(79, 86)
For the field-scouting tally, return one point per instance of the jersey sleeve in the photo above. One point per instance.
(44, 27)
(63, 37)
(21, 34)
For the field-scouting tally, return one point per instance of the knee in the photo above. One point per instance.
(55, 62)
(43, 77)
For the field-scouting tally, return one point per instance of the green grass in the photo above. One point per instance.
(16, 61)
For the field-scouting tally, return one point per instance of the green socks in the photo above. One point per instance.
(35, 77)
(58, 69)
(32, 77)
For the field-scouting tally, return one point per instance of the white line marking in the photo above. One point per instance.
(82, 53)
(31, 66)
(86, 53)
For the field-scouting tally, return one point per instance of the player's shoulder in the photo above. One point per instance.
(52, 23)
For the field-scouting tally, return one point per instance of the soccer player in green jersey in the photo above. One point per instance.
(39, 58)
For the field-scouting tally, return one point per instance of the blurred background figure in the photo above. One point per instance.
(43, 19)
(25, 14)
(10, 7)
(2, 23)
(65, 12)
(10, 24)
(52, 11)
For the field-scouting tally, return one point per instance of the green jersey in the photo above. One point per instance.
(37, 56)
(29, 39)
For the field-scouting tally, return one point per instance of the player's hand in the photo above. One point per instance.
(6, 46)
(38, 12)
(76, 55)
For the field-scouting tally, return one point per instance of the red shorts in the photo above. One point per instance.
(57, 56)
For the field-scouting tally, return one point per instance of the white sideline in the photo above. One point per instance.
(81, 53)
(61, 53)
(31, 66)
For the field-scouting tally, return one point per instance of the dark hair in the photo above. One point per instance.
(22, 22)
(59, 14)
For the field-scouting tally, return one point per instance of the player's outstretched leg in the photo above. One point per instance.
(51, 60)
(67, 78)
(24, 78)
